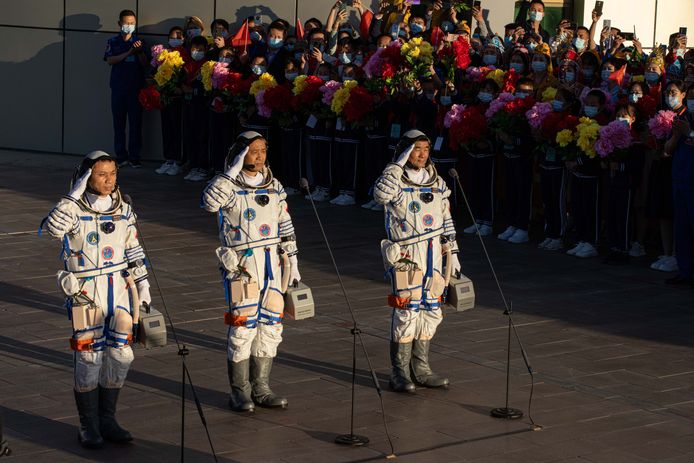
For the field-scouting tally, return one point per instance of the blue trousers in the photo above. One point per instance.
(126, 108)
(684, 229)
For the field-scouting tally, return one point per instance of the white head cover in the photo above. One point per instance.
(243, 141)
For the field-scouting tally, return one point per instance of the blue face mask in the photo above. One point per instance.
(447, 26)
(226, 60)
(634, 97)
(531, 46)
(194, 32)
(197, 55)
(298, 55)
(518, 67)
(345, 58)
(536, 16)
(275, 43)
(359, 60)
(445, 100)
(651, 77)
(590, 111)
(557, 105)
(539, 66)
(588, 73)
(290, 76)
(416, 28)
(173, 43)
(507, 41)
(579, 43)
(257, 69)
(127, 28)
(485, 97)
(605, 74)
(289, 47)
(521, 95)
(489, 59)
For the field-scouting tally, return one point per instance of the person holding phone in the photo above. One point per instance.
(128, 60)
(530, 16)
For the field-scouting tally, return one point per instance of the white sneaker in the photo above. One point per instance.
(485, 230)
(164, 169)
(669, 264)
(291, 191)
(575, 249)
(369, 205)
(198, 176)
(507, 233)
(587, 251)
(637, 250)
(656, 265)
(337, 199)
(471, 230)
(174, 169)
(519, 236)
(347, 200)
(320, 195)
(377, 207)
(191, 173)
(554, 245)
(544, 243)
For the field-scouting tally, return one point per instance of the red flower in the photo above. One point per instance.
(310, 96)
(471, 127)
(510, 81)
(278, 98)
(567, 122)
(461, 47)
(149, 98)
(387, 70)
(359, 105)
(550, 126)
(647, 107)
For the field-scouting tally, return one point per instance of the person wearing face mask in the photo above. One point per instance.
(478, 172)
(193, 27)
(220, 36)
(589, 62)
(542, 74)
(612, 75)
(195, 112)
(171, 110)
(491, 56)
(569, 74)
(581, 41)
(655, 73)
(519, 61)
(275, 53)
(623, 178)
(585, 185)
(662, 177)
(680, 146)
(553, 180)
(530, 16)
(125, 54)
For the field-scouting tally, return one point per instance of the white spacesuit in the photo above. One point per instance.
(104, 271)
(420, 233)
(258, 258)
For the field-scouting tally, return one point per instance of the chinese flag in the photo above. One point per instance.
(299, 30)
(243, 37)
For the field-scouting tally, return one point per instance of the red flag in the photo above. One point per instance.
(618, 75)
(365, 25)
(242, 37)
(436, 36)
(299, 30)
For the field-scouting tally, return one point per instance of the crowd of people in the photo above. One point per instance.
(602, 126)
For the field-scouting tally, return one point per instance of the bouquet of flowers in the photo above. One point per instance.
(507, 113)
(466, 125)
(230, 88)
(277, 103)
(169, 71)
(660, 125)
(549, 94)
(258, 89)
(308, 95)
(510, 80)
(383, 67)
(353, 103)
(587, 134)
(418, 57)
(149, 98)
(565, 139)
(613, 141)
(454, 56)
(536, 115)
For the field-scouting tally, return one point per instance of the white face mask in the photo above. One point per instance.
(127, 28)
(579, 43)
(536, 16)
(626, 120)
(634, 97)
(257, 69)
(673, 102)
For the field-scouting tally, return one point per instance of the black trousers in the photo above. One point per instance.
(478, 175)
(319, 146)
(291, 154)
(519, 183)
(585, 197)
(553, 183)
(376, 157)
(171, 129)
(195, 132)
(346, 149)
(620, 197)
(222, 127)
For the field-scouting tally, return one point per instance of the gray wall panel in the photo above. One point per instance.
(31, 79)
(158, 16)
(236, 11)
(35, 13)
(95, 15)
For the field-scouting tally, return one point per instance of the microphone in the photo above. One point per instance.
(303, 184)
(452, 172)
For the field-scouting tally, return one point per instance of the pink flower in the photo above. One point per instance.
(614, 136)
(328, 90)
(498, 104)
(374, 67)
(477, 73)
(156, 51)
(263, 110)
(660, 125)
(219, 74)
(455, 114)
(604, 147)
(536, 115)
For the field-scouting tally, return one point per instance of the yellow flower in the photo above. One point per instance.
(299, 85)
(164, 74)
(426, 49)
(341, 97)
(206, 74)
(637, 79)
(549, 94)
(497, 75)
(414, 53)
(587, 131)
(266, 81)
(565, 137)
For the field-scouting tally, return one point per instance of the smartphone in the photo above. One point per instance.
(598, 7)
(258, 19)
(477, 4)
(573, 26)
(607, 23)
(683, 31)
(627, 35)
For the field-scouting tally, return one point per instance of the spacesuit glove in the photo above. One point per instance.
(236, 165)
(80, 186)
(404, 156)
(143, 292)
(294, 275)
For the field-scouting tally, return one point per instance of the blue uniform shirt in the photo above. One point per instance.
(683, 158)
(129, 74)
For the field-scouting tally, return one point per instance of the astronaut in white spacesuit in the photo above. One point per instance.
(104, 281)
(419, 255)
(258, 259)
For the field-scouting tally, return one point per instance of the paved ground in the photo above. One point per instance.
(611, 347)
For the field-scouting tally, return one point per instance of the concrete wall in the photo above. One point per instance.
(55, 83)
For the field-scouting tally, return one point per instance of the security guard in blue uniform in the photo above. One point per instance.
(125, 54)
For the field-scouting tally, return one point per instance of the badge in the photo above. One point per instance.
(249, 214)
(428, 220)
(93, 238)
(414, 207)
(264, 230)
(107, 253)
